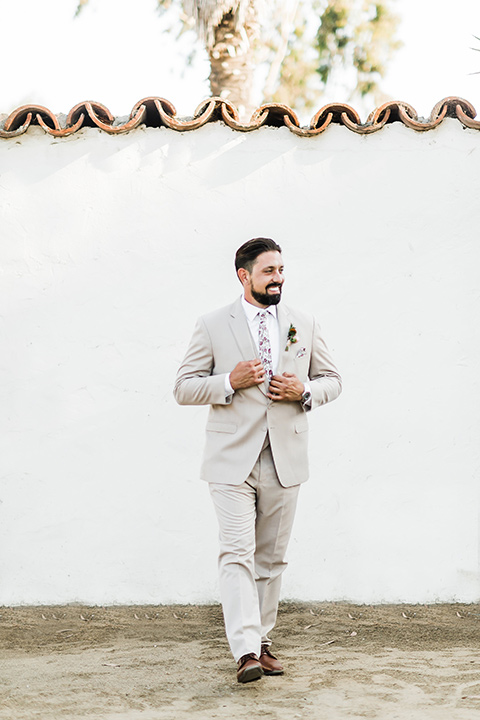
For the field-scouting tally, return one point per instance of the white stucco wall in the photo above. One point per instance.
(111, 246)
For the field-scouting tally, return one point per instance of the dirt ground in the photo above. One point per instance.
(172, 663)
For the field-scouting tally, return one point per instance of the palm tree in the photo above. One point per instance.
(241, 35)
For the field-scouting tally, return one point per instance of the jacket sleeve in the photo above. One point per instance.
(324, 379)
(195, 384)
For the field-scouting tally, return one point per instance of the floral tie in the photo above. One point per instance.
(264, 348)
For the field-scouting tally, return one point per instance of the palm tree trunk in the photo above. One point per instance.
(231, 60)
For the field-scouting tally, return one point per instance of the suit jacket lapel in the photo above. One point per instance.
(241, 332)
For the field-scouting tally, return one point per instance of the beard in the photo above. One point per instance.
(265, 298)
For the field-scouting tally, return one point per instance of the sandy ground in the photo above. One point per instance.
(172, 663)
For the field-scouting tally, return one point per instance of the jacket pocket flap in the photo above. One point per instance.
(221, 427)
(301, 425)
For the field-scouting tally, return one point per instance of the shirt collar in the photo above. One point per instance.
(251, 311)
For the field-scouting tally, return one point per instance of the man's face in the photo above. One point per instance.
(263, 285)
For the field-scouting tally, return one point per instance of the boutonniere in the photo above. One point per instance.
(291, 337)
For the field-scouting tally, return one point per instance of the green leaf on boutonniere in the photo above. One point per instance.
(291, 337)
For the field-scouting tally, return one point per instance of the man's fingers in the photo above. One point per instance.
(282, 380)
(247, 373)
(258, 372)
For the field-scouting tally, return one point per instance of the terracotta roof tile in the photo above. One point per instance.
(158, 112)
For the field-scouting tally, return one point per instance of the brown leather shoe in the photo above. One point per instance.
(249, 668)
(270, 664)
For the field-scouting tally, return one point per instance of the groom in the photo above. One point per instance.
(261, 367)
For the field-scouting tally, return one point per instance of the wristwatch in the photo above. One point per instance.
(306, 397)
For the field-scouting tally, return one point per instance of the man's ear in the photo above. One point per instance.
(243, 275)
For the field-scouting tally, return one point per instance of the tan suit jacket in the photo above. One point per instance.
(237, 425)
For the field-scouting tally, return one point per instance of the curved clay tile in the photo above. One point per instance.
(158, 112)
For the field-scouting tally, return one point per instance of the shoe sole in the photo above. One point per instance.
(249, 674)
(273, 672)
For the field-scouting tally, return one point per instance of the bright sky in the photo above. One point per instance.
(116, 53)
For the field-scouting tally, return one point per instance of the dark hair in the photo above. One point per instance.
(247, 254)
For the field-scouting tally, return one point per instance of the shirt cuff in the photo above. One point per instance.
(228, 388)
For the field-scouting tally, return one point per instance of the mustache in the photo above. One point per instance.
(272, 285)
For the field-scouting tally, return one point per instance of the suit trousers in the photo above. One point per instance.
(255, 523)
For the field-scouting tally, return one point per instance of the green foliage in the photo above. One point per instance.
(358, 33)
(336, 41)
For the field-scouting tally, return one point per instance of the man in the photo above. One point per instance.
(261, 367)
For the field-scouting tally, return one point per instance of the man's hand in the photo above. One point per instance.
(247, 373)
(286, 387)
